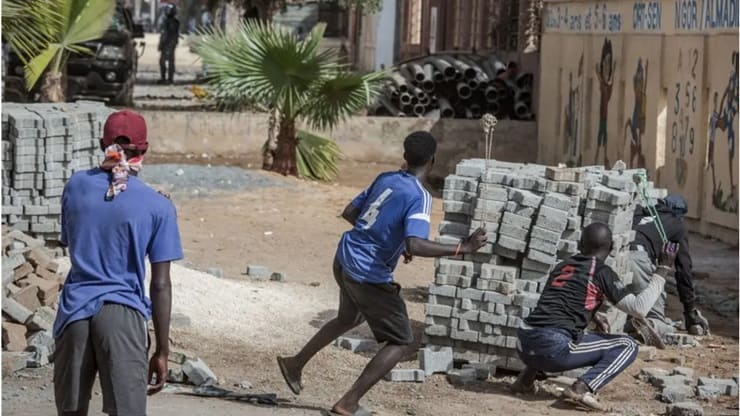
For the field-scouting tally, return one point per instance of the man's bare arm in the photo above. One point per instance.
(351, 214)
(160, 291)
(424, 248)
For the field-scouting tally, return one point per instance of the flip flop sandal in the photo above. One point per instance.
(587, 401)
(361, 411)
(647, 332)
(295, 386)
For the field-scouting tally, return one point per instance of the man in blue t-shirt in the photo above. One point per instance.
(389, 218)
(112, 221)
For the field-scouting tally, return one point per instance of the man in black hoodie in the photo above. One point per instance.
(644, 252)
(168, 39)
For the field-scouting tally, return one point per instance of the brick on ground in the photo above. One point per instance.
(14, 336)
(14, 361)
(28, 297)
(405, 375)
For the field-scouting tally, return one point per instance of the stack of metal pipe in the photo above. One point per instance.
(456, 86)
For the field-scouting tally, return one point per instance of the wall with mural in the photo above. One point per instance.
(652, 83)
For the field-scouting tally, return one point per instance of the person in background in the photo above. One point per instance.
(168, 39)
(111, 223)
(645, 252)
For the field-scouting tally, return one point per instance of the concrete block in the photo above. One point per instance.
(454, 228)
(495, 272)
(684, 409)
(544, 234)
(505, 252)
(683, 371)
(40, 357)
(557, 201)
(405, 375)
(726, 386)
(608, 195)
(455, 268)
(42, 339)
(513, 232)
(473, 170)
(462, 335)
(489, 206)
(561, 174)
(525, 198)
(38, 257)
(356, 344)
(680, 340)
(498, 298)
(28, 297)
(544, 246)
(526, 300)
(176, 375)
(647, 353)
(434, 359)
(521, 210)
(492, 318)
(568, 188)
(470, 293)
(511, 244)
(443, 290)
(14, 361)
(514, 220)
(482, 370)
(493, 192)
(461, 183)
(488, 217)
(460, 281)
(15, 311)
(462, 376)
(42, 319)
(13, 336)
(437, 331)
(457, 207)
(460, 196)
(493, 176)
(675, 393)
(541, 257)
(258, 272)
(533, 265)
(198, 372)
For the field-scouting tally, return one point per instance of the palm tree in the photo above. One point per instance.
(265, 63)
(44, 32)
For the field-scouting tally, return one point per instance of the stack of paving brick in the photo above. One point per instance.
(31, 287)
(533, 215)
(43, 145)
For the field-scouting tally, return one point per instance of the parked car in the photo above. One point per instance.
(107, 73)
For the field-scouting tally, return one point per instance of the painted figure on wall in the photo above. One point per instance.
(724, 120)
(636, 124)
(605, 74)
(572, 110)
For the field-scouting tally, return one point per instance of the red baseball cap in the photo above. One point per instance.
(129, 124)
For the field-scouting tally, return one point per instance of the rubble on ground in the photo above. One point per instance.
(533, 215)
(356, 344)
(31, 287)
(191, 370)
(678, 387)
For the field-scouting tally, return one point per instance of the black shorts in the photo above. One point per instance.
(380, 305)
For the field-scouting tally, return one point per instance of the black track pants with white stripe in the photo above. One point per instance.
(552, 350)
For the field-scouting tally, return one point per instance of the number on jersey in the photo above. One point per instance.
(372, 212)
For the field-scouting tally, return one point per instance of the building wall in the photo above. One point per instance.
(367, 139)
(656, 107)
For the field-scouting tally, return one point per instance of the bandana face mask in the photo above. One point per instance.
(119, 167)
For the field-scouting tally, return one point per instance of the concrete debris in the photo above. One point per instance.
(176, 375)
(482, 370)
(675, 393)
(14, 361)
(198, 372)
(723, 386)
(14, 337)
(258, 272)
(405, 375)
(435, 359)
(647, 353)
(356, 344)
(462, 376)
(533, 215)
(680, 340)
(684, 409)
(244, 385)
(278, 277)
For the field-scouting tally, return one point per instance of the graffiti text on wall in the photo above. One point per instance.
(682, 134)
(723, 119)
(705, 14)
(596, 18)
(644, 16)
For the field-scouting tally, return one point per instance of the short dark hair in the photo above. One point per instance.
(596, 237)
(419, 148)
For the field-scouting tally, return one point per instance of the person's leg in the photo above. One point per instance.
(163, 64)
(347, 318)
(608, 354)
(377, 368)
(74, 369)
(171, 65)
(387, 317)
(119, 336)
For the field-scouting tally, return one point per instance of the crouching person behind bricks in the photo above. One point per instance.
(551, 339)
(111, 221)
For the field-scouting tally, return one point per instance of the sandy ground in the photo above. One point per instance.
(238, 325)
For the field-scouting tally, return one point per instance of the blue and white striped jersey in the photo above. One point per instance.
(396, 206)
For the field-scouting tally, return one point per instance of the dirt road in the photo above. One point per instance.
(238, 326)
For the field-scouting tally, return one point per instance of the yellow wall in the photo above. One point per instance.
(668, 60)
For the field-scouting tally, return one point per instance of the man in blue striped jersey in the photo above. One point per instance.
(389, 218)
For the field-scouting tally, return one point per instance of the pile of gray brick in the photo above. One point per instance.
(42, 146)
(533, 215)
